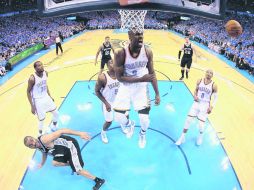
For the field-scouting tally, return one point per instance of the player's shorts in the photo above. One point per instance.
(103, 62)
(199, 110)
(186, 61)
(44, 105)
(136, 94)
(108, 115)
(71, 154)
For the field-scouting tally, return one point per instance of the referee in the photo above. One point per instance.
(59, 39)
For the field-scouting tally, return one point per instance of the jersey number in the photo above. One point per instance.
(116, 90)
(43, 88)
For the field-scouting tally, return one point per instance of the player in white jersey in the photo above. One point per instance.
(134, 69)
(106, 89)
(202, 105)
(39, 97)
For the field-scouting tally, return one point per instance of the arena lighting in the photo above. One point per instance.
(184, 18)
(58, 1)
(71, 18)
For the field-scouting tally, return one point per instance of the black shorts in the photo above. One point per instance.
(186, 61)
(72, 155)
(103, 62)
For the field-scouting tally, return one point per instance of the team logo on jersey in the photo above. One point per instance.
(117, 43)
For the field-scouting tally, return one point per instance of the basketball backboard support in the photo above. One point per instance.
(205, 8)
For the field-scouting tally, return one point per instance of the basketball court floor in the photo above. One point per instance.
(224, 161)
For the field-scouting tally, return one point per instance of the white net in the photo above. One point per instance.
(132, 19)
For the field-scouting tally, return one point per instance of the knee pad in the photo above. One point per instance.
(144, 121)
(55, 114)
(121, 118)
(145, 111)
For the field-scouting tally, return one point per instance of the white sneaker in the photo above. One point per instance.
(131, 130)
(180, 140)
(104, 137)
(53, 127)
(125, 129)
(40, 132)
(142, 141)
(199, 140)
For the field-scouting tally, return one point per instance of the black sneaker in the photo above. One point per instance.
(181, 78)
(98, 184)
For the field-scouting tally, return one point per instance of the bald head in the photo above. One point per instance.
(209, 74)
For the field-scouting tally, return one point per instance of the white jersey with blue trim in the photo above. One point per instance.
(111, 88)
(135, 67)
(205, 91)
(40, 89)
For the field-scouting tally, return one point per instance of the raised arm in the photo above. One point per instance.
(31, 82)
(151, 71)
(48, 138)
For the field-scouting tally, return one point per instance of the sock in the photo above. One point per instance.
(97, 179)
(182, 71)
(142, 132)
(187, 74)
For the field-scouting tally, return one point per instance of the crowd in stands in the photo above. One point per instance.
(22, 31)
(112, 20)
(212, 34)
(17, 5)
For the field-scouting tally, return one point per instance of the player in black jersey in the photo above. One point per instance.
(188, 50)
(65, 151)
(105, 50)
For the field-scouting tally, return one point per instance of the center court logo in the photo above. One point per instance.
(117, 43)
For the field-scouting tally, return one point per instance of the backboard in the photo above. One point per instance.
(205, 8)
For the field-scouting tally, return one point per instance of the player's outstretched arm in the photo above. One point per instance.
(48, 138)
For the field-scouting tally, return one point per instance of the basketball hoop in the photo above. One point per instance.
(132, 19)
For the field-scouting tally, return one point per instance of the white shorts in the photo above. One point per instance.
(136, 94)
(44, 105)
(199, 110)
(108, 115)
